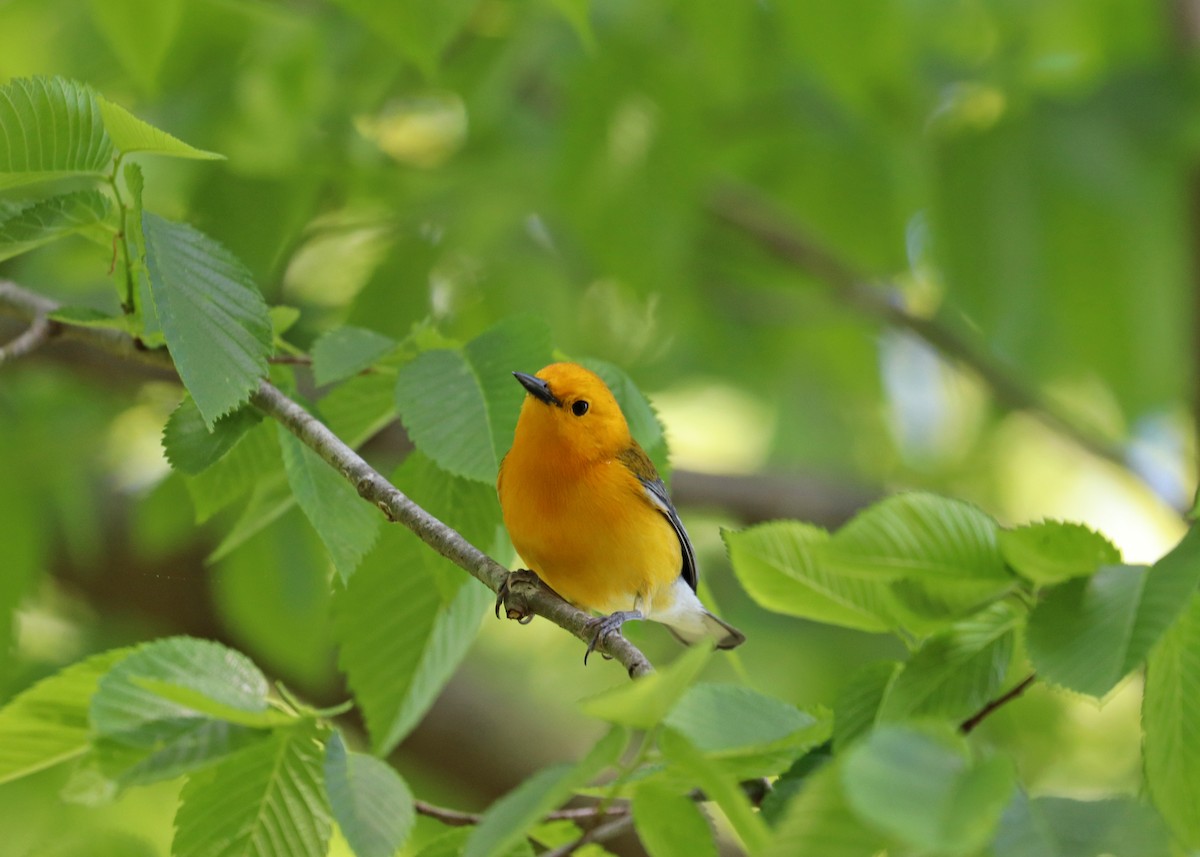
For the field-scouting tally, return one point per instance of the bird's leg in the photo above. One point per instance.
(608, 625)
(521, 575)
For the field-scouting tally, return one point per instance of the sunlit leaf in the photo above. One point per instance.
(819, 820)
(192, 447)
(214, 680)
(923, 788)
(671, 824)
(48, 723)
(346, 351)
(1061, 827)
(1170, 717)
(50, 128)
(212, 315)
(407, 617)
(1088, 633)
(347, 524)
(265, 801)
(779, 568)
(957, 671)
(460, 407)
(50, 219)
(643, 704)
(1053, 551)
(371, 803)
(718, 786)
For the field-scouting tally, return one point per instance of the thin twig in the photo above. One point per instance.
(39, 332)
(750, 214)
(978, 717)
(457, 818)
(373, 487)
(291, 360)
(600, 833)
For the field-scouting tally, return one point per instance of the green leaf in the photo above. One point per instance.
(347, 524)
(918, 536)
(370, 801)
(139, 34)
(264, 801)
(48, 723)
(643, 421)
(718, 786)
(50, 219)
(269, 501)
(407, 617)
(360, 407)
(1170, 715)
(248, 464)
(856, 709)
(819, 820)
(1061, 827)
(421, 31)
(192, 447)
(112, 765)
(954, 673)
(750, 733)
(643, 704)
(1053, 551)
(50, 128)
(212, 315)
(1080, 635)
(921, 787)
(130, 134)
(81, 316)
(126, 709)
(346, 351)
(460, 407)
(201, 703)
(777, 565)
(671, 824)
(507, 820)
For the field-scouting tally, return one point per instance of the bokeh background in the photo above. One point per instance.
(845, 248)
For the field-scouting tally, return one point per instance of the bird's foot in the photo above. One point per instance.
(605, 626)
(514, 608)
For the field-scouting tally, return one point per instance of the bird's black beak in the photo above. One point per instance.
(537, 388)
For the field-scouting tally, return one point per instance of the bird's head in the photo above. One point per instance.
(571, 413)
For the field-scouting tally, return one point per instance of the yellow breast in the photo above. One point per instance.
(590, 534)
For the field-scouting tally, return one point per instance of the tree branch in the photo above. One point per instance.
(968, 725)
(457, 818)
(371, 486)
(599, 833)
(751, 215)
(39, 332)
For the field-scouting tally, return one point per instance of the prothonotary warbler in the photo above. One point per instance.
(588, 513)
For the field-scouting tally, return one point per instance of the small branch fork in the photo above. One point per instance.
(528, 598)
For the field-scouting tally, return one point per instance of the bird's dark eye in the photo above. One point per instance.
(579, 408)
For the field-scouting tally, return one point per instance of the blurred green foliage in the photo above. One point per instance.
(1020, 172)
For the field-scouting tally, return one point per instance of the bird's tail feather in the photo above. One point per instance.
(725, 635)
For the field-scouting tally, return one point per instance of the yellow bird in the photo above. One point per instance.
(589, 515)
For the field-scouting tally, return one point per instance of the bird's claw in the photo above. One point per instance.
(605, 627)
(512, 611)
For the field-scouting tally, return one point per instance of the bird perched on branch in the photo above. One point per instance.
(588, 513)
